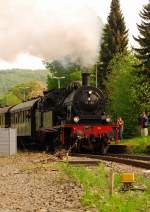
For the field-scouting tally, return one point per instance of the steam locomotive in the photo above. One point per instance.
(73, 117)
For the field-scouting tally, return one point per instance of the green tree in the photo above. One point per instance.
(142, 78)
(70, 72)
(28, 90)
(143, 52)
(114, 40)
(9, 99)
(120, 88)
(22, 92)
(141, 93)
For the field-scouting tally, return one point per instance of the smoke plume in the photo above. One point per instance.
(49, 29)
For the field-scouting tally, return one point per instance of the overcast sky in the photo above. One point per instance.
(88, 9)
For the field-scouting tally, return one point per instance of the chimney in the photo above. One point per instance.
(85, 79)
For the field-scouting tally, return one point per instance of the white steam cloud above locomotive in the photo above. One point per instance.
(49, 29)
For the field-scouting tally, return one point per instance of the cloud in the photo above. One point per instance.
(50, 29)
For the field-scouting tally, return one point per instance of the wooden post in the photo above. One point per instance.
(111, 184)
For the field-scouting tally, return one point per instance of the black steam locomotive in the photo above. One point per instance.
(73, 117)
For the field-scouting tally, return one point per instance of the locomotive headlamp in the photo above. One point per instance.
(76, 119)
(90, 92)
(108, 119)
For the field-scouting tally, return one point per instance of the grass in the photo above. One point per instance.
(95, 185)
(137, 141)
(137, 145)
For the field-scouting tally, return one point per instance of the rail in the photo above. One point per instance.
(132, 160)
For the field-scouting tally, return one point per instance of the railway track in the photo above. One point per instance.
(132, 160)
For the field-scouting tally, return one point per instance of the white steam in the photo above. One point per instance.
(49, 29)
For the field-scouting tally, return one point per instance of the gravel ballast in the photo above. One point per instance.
(26, 185)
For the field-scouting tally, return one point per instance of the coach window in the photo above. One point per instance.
(23, 115)
(20, 116)
(2, 119)
(26, 119)
(26, 116)
(12, 120)
(17, 115)
(16, 118)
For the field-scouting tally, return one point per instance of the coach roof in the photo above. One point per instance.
(5, 109)
(24, 105)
